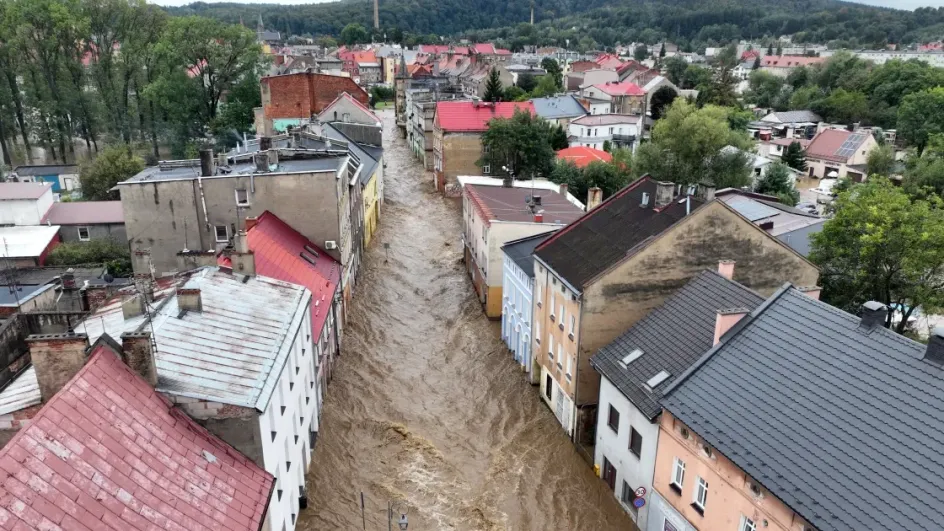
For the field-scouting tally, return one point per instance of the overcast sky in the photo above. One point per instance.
(901, 4)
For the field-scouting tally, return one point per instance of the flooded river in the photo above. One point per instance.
(427, 407)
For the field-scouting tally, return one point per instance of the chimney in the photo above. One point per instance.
(243, 259)
(251, 222)
(726, 269)
(705, 191)
(272, 159)
(664, 193)
(935, 350)
(563, 190)
(539, 217)
(812, 292)
(766, 226)
(68, 279)
(265, 143)
(56, 359)
(727, 319)
(137, 353)
(133, 307)
(261, 161)
(188, 297)
(508, 182)
(873, 314)
(594, 198)
(187, 260)
(206, 163)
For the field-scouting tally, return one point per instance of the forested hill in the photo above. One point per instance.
(607, 22)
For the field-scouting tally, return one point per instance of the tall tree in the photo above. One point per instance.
(795, 157)
(675, 68)
(641, 53)
(921, 115)
(882, 245)
(527, 82)
(354, 33)
(553, 69)
(493, 86)
(112, 165)
(880, 161)
(661, 98)
(777, 180)
(662, 51)
(521, 143)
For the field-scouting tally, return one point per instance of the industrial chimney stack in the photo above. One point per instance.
(376, 14)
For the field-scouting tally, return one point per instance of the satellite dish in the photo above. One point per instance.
(108, 278)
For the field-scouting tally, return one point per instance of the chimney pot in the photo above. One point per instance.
(726, 269)
(935, 350)
(664, 193)
(207, 166)
(563, 190)
(137, 353)
(189, 298)
(265, 143)
(56, 359)
(874, 314)
(539, 217)
(594, 198)
(251, 222)
(132, 307)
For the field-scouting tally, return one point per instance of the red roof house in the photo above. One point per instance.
(468, 116)
(303, 95)
(624, 88)
(582, 156)
(107, 452)
(790, 61)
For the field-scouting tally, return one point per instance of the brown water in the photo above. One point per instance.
(427, 406)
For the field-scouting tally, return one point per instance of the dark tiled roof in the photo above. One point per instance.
(521, 251)
(843, 424)
(607, 233)
(672, 337)
(511, 204)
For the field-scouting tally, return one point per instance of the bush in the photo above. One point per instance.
(110, 253)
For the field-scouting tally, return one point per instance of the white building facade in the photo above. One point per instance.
(620, 130)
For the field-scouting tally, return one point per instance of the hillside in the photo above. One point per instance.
(605, 21)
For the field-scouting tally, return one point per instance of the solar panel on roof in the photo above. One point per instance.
(849, 146)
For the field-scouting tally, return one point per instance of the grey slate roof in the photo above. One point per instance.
(789, 117)
(521, 251)
(558, 107)
(843, 424)
(672, 337)
(44, 169)
(369, 159)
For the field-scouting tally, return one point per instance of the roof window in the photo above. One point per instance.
(632, 356)
(657, 379)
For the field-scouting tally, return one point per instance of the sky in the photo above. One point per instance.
(901, 4)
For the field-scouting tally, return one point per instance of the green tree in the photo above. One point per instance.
(756, 63)
(607, 146)
(493, 86)
(113, 254)
(661, 98)
(779, 50)
(687, 146)
(354, 33)
(553, 69)
(545, 87)
(514, 93)
(565, 172)
(675, 68)
(559, 138)
(641, 53)
(882, 245)
(521, 143)
(770, 49)
(880, 161)
(804, 98)
(777, 180)
(924, 174)
(921, 115)
(527, 82)
(842, 106)
(795, 157)
(662, 51)
(764, 89)
(236, 114)
(112, 165)
(695, 77)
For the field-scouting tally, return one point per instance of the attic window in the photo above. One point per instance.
(307, 258)
(645, 199)
(657, 379)
(311, 250)
(633, 356)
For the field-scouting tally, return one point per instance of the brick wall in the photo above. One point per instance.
(304, 94)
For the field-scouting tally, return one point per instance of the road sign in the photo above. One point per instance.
(640, 492)
(639, 502)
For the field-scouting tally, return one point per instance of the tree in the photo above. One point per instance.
(641, 53)
(521, 143)
(493, 87)
(756, 63)
(921, 115)
(527, 82)
(795, 157)
(662, 51)
(559, 138)
(842, 106)
(764, 89)
(777, 180)
(779, 50)
(661, 98)
(514, 93)
(695, 77)
(113, 254)
(354, 33)
(880, 161)
(675, 68)
(924, 174)
(882, 245)
(687, 146)
(545, 87)
(770, 49)
(553, 69)
(237, 115)
(112, 165)
(607, 146)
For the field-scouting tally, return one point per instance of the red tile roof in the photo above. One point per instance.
(502, 51)
(609, 61)
(787, 141)
(625, 88)
(23, 190)
(109, 452)
(486, 48)
(443, 48)
(278, 252)
(790, 61)
(469, 116)
(825, 145)
(582, 66)
(85, 212)
(583, 156)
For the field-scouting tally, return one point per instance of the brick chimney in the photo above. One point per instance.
(812, 292)
(726, 269)
(56, 359)
(251, 222)
(132, 307)
(187, 260)
(594, 198)
(189, 297)
(726, 319)
(665, 191)
(243, 260)
(137, 353)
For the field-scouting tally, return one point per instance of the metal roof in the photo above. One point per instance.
(44, 169)
(842, 422)
(22, 393)
(558, 107)
(18, 191)
(85, 213)
(26, 241)
(232, 351)
(521, 251)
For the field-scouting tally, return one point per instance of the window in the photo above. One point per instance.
(627, 496)
(222, 233)
(486, 148)
(573, 324)
(609, 474)
(486, 169)
(635, 442)
(550, 346)
(547, 387)
(611, 130)
(701, 494)
(678, 475)
(242, 197)
(747, 524)
(84, 235)
(645, 199)
(567, 372)
(612, 419)
(562, 313)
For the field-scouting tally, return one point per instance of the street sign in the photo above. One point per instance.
(639, 502)
(640, 492)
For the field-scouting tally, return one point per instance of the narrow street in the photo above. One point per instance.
(427, 407)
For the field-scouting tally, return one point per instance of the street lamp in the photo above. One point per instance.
(403, 522)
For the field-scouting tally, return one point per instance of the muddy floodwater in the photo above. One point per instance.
(427, 407)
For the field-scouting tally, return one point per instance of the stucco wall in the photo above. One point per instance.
(25, 211)
(343, 110)
(549, 294)
(460, 153)
(111, 231)
(516, 313)
(167, 216)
